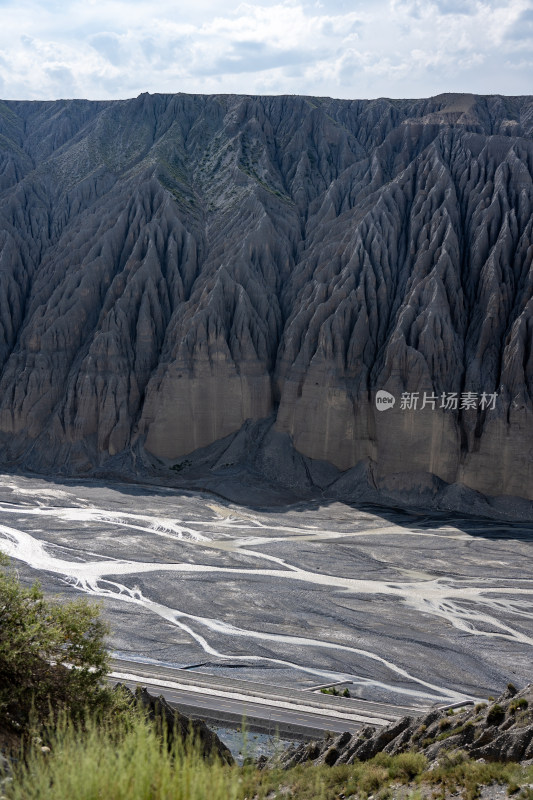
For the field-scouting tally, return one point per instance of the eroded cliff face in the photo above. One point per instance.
(174, 265)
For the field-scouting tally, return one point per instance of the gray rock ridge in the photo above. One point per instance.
(174, 266)
(500, 730)
(177, 729)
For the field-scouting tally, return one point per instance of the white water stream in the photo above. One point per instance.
(473, 606)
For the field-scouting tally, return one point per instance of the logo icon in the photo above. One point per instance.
(384, 400)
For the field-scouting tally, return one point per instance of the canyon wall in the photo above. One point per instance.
(172, 266)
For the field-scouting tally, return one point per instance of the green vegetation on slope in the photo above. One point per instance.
(38, 639)
(131, 762)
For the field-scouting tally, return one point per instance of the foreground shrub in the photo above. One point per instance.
(456, 771)
(495, 715)
(123, 760)
(38, 638)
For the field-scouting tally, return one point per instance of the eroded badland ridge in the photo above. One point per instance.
(174, 266)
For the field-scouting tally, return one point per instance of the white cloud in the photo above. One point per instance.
(398, 48)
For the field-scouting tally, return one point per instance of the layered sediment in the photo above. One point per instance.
(174, 266)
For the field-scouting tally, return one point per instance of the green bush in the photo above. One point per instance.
(495, 715)
(52, 654)
(516, 704)
(456, 770)
(373, 778)
(407, 766)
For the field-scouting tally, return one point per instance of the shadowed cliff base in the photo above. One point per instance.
(175, 266)
(258, 467)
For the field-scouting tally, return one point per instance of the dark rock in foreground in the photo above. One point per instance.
(173, 724)
(496, 731)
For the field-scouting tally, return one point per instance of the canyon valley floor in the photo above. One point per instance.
(410, 608)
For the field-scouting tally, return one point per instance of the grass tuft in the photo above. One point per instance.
(124, 761)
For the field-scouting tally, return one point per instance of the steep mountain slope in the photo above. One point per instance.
(174, 265)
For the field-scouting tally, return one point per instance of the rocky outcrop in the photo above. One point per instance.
(175, 265)
(494, 731)
(176, 727)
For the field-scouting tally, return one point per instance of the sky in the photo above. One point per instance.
(53, 49)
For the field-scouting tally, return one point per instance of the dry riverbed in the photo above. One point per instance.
(407, 608)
